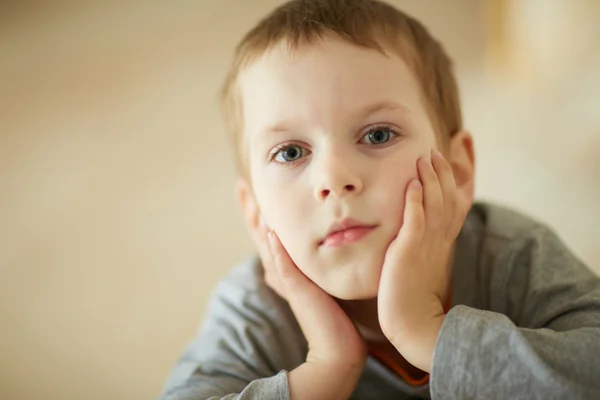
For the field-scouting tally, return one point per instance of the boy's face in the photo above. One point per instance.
(353, 125)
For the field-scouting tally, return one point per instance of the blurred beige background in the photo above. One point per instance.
(117, 213)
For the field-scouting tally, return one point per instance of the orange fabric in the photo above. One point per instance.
(411, 375)
(414, 377)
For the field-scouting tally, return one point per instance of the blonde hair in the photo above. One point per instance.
(366, 23)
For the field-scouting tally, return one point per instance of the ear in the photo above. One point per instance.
(248, 206)
(461, 157)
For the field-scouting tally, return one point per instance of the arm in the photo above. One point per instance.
(248, 341)
(546, 347)
(250, 335)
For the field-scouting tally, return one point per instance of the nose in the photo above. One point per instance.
(337, 176)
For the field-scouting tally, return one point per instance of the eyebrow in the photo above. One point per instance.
(382, 106)
(283, 126)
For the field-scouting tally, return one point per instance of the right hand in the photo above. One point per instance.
(336, 351)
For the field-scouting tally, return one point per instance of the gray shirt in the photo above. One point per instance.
(524, 324)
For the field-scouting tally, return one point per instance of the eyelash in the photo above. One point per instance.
(284, 146)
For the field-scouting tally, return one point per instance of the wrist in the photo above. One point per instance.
(313, 380)
(417, 344)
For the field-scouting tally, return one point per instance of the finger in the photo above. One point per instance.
(275, 284)
(261, 242)
(259, 237)
(408, 243)
(293, 280)
(324, 324)
(413, 226)
(461, 210)
(432, 194)
(448, 188)
(271, 275)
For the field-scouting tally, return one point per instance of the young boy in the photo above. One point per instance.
(378, 278)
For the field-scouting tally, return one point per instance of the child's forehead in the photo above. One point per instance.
(328, 70)
(325, 86)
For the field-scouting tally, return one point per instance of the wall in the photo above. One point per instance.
(117, 214)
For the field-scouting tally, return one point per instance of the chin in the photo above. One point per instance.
(352, 283)
(349, 273)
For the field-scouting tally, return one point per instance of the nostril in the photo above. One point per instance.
(350, 188)
(325, 193)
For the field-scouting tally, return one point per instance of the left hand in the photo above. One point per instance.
(415, 273)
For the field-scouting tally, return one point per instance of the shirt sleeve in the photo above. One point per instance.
(247, 343)
(275, 388)
(546, 345)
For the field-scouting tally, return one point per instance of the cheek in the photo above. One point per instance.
(282, 210)
(285, 209)
(287, 216)
(391, 190)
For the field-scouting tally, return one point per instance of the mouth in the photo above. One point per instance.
(346, 232)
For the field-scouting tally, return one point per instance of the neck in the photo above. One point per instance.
(364, 315)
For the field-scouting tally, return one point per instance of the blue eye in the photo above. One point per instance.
(378, 136)
(289, 154)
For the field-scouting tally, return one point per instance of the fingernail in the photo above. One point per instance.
(426, 162)
(437, 154)
(416, 184)
(261, 222)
